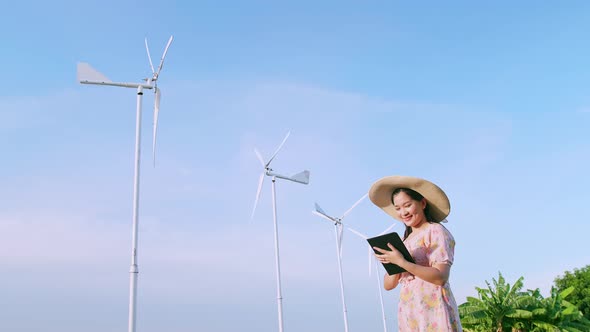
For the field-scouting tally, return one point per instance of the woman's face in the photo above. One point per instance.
(410, 212)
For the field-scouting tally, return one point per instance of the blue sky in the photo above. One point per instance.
(490, 101)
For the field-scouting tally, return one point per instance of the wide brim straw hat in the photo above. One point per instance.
(382, 190)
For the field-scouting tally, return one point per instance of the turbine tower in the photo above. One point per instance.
(371, 259)
(303, 178)
(338, 223)
(89, 75)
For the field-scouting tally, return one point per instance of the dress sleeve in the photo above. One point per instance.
(442, 246)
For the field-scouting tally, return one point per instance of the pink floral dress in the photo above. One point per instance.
(424, 306)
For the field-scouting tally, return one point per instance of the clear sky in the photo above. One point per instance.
(489, 101)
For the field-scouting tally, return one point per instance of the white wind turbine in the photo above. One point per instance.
(303, 178)
(339, 226)
(88, 75)
(377, 276)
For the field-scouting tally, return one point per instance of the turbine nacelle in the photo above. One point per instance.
(301, 177)
(337, 220)
(319, 212)
(88, 75)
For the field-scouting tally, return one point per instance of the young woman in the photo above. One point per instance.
(426, 301)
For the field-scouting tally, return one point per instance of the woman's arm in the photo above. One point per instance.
(437, 274)
(390, 282)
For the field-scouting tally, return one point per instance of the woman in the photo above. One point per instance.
(426, 301)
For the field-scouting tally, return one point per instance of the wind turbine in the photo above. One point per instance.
(338, 223)
(371, 258)
(89, 75)
(303, 178)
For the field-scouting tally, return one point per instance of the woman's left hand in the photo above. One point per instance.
(392, 256)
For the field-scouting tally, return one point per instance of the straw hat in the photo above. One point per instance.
(438, 202)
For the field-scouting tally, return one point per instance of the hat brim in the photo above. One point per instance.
(438, 202)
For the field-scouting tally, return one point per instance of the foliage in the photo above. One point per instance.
(499, 307)
(580, 280)
(504, 308)
(554, 313)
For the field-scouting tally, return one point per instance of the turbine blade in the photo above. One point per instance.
(149, 56)
(164, 56)
(370, 250)
(260, 182)
(371, 259)
(259, 156)
(358, 233)
(85, 72)
(387, 230)
(354, 205)
(278, 149)
(324, 216)
(156, 114)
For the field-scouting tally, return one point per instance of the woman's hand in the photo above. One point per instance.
(392, 256)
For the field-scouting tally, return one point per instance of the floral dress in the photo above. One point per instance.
(424, 306)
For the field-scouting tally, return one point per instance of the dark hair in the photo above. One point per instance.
(417, 197)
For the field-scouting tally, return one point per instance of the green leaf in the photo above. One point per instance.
(564, 293)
